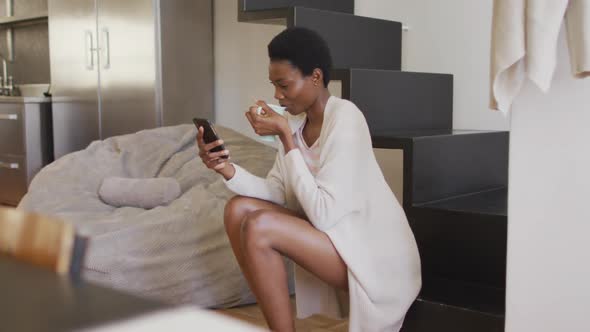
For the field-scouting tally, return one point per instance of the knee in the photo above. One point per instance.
(256, 231)
(235, 211)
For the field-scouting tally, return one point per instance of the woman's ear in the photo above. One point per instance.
(317, 76)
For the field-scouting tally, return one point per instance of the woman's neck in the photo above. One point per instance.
(315, 114)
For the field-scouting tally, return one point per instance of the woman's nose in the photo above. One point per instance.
(278, 94)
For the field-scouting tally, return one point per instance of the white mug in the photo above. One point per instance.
(277, 108)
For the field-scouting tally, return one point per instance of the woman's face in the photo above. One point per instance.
(292, 89)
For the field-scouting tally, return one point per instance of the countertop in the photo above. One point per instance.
(24, 100)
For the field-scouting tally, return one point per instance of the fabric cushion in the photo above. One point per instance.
(140, 193)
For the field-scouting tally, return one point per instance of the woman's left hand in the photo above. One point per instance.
(268, 122)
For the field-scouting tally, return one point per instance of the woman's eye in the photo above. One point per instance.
(282, 86)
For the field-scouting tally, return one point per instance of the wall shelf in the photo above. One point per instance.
(16, 20)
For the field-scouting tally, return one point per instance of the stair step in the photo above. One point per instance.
(399, 137)
(455, 199)
(492, 202)
(344, 6)
(396, 100)
(352, 39)
(426, 316)
(440, 164)
(464, 242)
(472, 296)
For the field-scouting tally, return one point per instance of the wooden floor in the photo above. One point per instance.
(315, 323)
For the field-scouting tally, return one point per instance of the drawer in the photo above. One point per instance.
(13, 179)
(12, 129)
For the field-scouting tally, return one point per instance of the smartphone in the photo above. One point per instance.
(209, 134)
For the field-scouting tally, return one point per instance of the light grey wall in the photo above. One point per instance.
(31, 44)
(451, 36)
(241, 65)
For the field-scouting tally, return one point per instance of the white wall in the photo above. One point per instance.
(548, 285)
(450, 36)
(241, 65)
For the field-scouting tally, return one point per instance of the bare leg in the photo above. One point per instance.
(267, 231)
(236, 211)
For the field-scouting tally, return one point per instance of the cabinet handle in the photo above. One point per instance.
(106, 48)
(89, 49)
(8, 117)
(9, 165)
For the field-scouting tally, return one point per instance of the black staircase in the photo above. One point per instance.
(455, 181)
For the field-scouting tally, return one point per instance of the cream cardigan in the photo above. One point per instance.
(350, 201)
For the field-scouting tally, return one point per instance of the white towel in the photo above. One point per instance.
(141, 193)
(524, 44)
(543, 22)
(508, 50)
(578, 36)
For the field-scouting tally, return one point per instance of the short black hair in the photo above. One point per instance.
(303, 48)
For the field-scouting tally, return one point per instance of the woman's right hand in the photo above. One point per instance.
(217, 161)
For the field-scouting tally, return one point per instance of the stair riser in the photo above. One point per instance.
(344, 6)
(461, 246)
(352, 39)
(442, 167)
(393, 100)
